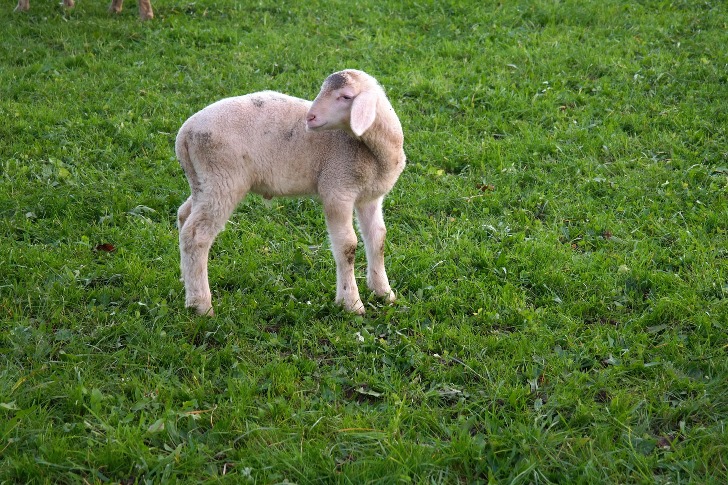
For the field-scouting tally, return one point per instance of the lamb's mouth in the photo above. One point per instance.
(311, 127)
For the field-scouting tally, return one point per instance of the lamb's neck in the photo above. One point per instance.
(385, 138)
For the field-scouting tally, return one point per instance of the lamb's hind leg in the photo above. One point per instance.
(182, 214)
(207, 216)
(373, 231)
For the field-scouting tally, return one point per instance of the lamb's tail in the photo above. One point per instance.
(181, 148)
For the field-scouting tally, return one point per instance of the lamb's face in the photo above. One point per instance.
(331, 110)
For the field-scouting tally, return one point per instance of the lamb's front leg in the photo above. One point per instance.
(339, 222)
(373, 231)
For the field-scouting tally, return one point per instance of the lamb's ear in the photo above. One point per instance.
(363, 112)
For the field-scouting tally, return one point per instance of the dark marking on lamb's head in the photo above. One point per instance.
(336, 81)
(289, 134)
(257, 102)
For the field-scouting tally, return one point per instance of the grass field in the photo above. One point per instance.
(558, 243)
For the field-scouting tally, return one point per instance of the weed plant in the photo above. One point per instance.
(558, 244)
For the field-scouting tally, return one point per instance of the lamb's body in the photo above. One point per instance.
(272, 154)
(261, 143)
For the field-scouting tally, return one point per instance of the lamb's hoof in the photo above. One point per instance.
(386, 295)
(202, 310)
(355, 307)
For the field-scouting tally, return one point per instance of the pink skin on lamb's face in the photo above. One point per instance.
(330, 112)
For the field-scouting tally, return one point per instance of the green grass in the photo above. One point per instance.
(558, 244)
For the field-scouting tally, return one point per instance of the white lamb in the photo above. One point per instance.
(145, 7)
(346, 147)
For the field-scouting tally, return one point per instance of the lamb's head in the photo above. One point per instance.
(347, 101)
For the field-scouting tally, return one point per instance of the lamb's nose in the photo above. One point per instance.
(310, 118)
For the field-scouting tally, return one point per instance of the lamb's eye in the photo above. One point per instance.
(347, 98)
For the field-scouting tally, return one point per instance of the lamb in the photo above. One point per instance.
(145, 7)
(345, 147)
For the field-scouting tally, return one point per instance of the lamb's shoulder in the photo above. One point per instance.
(382, 173)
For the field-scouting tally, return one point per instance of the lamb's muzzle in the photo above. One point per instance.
(312, 123)
(346, 147)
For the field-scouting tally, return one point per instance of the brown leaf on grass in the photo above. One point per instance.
(362, 393)
(344, 460)
(602, 396)
(664, 442)
(106, 247)
(485, 187)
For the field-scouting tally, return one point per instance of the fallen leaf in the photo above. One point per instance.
(656, 328)
(156, 426)
(602, 396)
(368, 392)
(485, 187)
(106, 247)
(664, 442)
